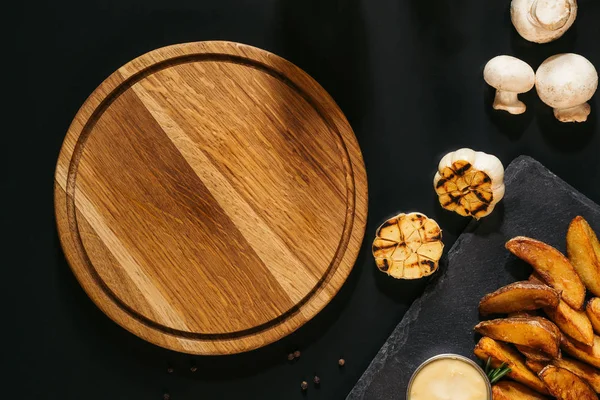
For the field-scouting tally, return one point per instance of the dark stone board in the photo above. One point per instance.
(537, 204)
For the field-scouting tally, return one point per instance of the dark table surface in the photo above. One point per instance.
(407, 74)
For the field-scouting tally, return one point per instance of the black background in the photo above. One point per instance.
(407, 74)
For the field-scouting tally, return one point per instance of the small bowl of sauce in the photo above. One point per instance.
(449, 377)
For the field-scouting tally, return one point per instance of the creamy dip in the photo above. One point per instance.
(448, 379)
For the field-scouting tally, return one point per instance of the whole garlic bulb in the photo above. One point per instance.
(469, 182)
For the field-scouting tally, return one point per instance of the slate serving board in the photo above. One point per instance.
(537, 204)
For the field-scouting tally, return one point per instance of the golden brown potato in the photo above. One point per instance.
(565, 385)
(504, 353)
(534, 354)
(553, 267)
(535, 366)
(507, 390)
(593, 312)
(572, 322)
(534, 332)
(519, 296)
(588, 373)
(587, 354)
(536, 278)
(583, 250)
(524, 314)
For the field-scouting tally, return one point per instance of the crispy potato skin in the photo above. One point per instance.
(565, 385)
(586, 372)
(507, 390)
(519, 296)
(525, 314)
(593, 312)
(581, 250)
(536, 278)
(587, 354)
(536, 366)
(534, 332)
(534, 354)
(502, 352)
(552, 266)
(572, 322)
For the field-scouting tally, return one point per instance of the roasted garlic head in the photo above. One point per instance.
(469, 182)
(408, 246)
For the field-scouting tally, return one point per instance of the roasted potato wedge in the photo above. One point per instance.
(534, 354)
(519, 296)
(504, 353)
(534, 332)
(565, 385)
(587, 354)
(507, 390)
(583, 250)
(572, 322)
(553, 267)
(593, 312)
(535, 366)
(588, 373)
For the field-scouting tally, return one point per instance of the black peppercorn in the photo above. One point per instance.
(291, 357)
(297, 354)
(316, 380)
(170, 370)
(341, 362)
(166, 396)
(193, 367)
(304, 385)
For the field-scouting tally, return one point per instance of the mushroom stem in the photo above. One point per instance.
(508, 101)
(573, 114)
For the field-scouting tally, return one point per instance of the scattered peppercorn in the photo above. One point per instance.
(316, 380)
(193, 367)
(341, 362)
(166, 396)
(304, 385)
(297, 354)
(170, 370)
(291, 357)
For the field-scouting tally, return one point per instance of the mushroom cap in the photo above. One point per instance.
(566, 80)
(542, 21)
(509, 74)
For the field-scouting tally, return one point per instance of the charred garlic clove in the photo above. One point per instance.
(543, 21)
(469, 182)
(566, 82)
(509, 76)
(408, 246)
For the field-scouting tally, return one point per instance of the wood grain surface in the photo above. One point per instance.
(210, 197)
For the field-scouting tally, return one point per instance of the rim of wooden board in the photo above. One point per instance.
(66, 212)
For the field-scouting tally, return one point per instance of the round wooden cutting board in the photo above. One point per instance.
(210, 197)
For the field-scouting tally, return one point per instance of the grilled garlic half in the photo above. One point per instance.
(469, 182)
(408, 246)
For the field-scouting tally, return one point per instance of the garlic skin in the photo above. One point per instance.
(542, 21)
(469, 182)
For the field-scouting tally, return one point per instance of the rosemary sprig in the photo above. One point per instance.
(495, 374)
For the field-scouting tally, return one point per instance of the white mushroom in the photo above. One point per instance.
(566, 82)
(509, 76)
(543, 21)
